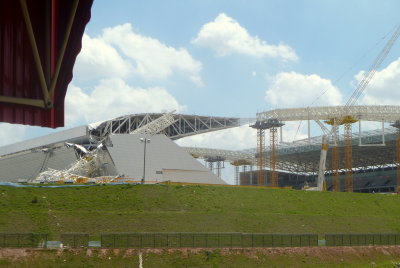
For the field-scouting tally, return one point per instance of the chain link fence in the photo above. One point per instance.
(361, 239)
(22, 240)
(75, 240)
(206, 240)
(198, 240)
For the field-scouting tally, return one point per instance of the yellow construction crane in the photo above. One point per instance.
(347, 121)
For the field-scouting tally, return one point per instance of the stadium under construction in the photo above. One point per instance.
(115, 151)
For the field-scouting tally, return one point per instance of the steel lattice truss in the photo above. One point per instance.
(157, 125)
(224, 155)
(302, 156)
(182, 125)
(384, 113)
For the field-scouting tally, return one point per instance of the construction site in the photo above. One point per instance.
(140, 148)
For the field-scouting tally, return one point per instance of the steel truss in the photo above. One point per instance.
(378, 113)
(182, 125)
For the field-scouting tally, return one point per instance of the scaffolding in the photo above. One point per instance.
(397, 125)
(273, 139)
(261, 127)
(244, 164)
(216, 164)
(348, 157)
(272, 124)
(335, 161)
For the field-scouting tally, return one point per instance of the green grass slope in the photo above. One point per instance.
(158, 208)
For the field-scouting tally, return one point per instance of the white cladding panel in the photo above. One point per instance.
(189, 176)
(28, 165)
(127, 152)
(75, 134)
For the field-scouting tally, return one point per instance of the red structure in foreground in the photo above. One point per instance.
(39, 42)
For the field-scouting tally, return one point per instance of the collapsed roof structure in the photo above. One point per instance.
(114, 149)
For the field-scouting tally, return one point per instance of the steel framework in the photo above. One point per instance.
(261, 156)
(273, 141)
(183, 125)
(348, 157)
(302, 156)
(398, 159)
(378, 113)
(336, 161)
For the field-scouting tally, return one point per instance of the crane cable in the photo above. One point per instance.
(369, 75)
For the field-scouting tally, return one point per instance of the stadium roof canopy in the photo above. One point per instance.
(376, 149)
(181, 126)
(39, 42)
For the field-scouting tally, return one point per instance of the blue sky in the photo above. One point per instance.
(328, 37)
(226, 58)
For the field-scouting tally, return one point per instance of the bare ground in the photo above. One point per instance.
(325, 253)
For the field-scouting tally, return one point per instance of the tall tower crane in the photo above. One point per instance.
(343, 119)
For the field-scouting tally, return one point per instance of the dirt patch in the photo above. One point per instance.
(17, 253)
(314, 252)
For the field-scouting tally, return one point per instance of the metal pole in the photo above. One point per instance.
(145, 140)
(144, 161)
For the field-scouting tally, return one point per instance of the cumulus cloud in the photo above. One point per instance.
(152, 59)
(99, 59)
(119, 52)
(112, 98)
(238, 138)
(291, 89)
(383, 89)
(10, 133)
(226, 36)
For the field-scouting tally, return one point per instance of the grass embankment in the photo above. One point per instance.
(156, 208)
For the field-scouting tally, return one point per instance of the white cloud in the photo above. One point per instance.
(112, 98)
(226, 36)
(11, 133)
(99, 59)
(152, 59)
(383, 89)
(238, 138)
(119, 52)
(290, 89)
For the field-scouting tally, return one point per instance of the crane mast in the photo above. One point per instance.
(343, 119)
